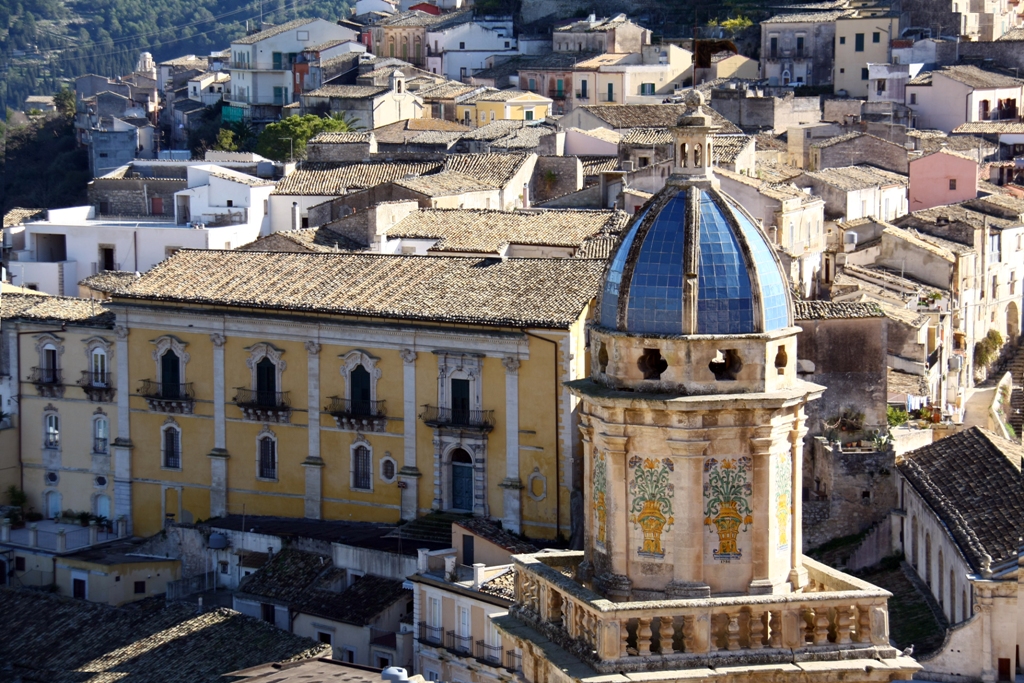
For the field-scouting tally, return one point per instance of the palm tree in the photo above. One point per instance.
(348, 121)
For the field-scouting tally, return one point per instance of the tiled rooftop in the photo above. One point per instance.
(286, 577)
(17, 216)
(902, 384)
(63, 640)
(349, 92)
(341, 138)
(271, 32)
(857, 177)
(726, 148)
(502, 586)
(56, 309)
(620, 116)
(594, 166)
(358, 604)
(991, 127)
(972, 481)
(401, 132)
(647, 136)
(513, 292)
(321, 239)
(443, 184)
(834, 310)
(808, 17)
(486, 529)
(335, 179)
(496, 169)
(486, 231)
(109, 281)
(977, 78)
(242, 178)
(837, 139)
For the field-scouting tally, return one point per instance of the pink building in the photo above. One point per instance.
(942, 178)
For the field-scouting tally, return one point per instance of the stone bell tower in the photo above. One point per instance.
(692, 422)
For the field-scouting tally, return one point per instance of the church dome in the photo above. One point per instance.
(694, 262)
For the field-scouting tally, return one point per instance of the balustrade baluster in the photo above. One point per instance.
(689, 633)
(844, 623)
(568, 617)
(667, 631)
(624, 638)
(807, 629)
(643, 636)
(733, 630)
(713, 644)
(775, 629)
(554, 605)
(756, 629)
(820, 634)
(864, 624)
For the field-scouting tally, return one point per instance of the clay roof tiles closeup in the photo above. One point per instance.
(512, 292)
(332, 179)
(55, 309)
(271, 32)
(834, 310)
(972, 482)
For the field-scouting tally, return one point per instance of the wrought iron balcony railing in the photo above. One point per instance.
(456, 643)
(100, 446)
(98, 386)
(167, 397)
(488, 653)
(261, 399)
(346, 407)
(513, 661)
(437, 416)
(47, 376)
(431, 635)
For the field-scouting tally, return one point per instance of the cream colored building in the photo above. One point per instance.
(693, 423)
(503, 105)
(862, 39)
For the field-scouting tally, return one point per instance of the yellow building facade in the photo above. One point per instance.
(861, 40)
(503, 105)
(231, 408)
(65, 408)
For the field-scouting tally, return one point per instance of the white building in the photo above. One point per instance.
(261, 66)
(953, 95)
(888, 82)
(220, 209)
(457, 51)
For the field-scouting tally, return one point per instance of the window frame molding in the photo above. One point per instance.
(48, 339)
(258, 352)
(380, 468)
(360, 442)
(268, 433)
(169, 342)
(459, 365)
(96, 417)
(353, 359)
(51, 412)
(94, 343)
(171, 423)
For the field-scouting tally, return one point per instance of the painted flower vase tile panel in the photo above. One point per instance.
(727, 511)
(651, 493)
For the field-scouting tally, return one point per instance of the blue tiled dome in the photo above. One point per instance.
(700, 232)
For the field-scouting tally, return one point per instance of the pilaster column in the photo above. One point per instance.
(512, 485)
(313, 464)
(409, 475)
(688, 533)
(219, 455)
(797, 574)
(617, 529)
(122, 446)
(761, 446)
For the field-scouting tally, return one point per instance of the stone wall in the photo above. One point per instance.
(866, 149)
(352, 151)
(132, 196)
(555, 176)
(749, 111)
(588, 198)
(858, 487)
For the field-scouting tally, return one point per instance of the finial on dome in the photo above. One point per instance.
(693, 134)
(694, 98)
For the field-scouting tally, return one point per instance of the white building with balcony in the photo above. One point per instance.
(261, 67)
(458, 51)
(220, 209)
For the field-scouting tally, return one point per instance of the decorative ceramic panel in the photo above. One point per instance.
(652, 493)
(783, 497)
(600, 504)
(727, 511)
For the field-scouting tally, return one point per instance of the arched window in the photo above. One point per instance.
(391, 48)
(100, 435)
(361, 374)
(462, 480)
(359, 379)
(98, 367)
(913, 541)
(266, 457)
(51, 431)
(53, 504)
(684, 153)
(942, 582)
(170, 375)
(928, 559)
(101, 507)
(266, 382)
(264, 392)
(171, 447)
(362, 467)
(696, 156)
(405, 48)
(952, 595)
(417, 52)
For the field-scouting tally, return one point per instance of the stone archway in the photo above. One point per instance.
(1012, 322)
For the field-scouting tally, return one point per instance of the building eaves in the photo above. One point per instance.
(978, 78)
(335, 179)
(809, 17)
(349, 92)
(271, 32)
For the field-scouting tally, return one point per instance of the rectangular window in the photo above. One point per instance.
(799, 46)
(172, 448)
(433, 612)
(583, 90)
(952, 183)
(348, 655)
(876, 37)
(646, 88)
(52, 436)
(268, 458)
(774, 47)
(324, 637)
(277, 60)
(267, 612)
(140, 587)
(864, 74)
(842, 40)
(19, 564)
(559, 87)
(361, 468)
(533, 85)
(529, 115)
(858, 42)
(913, 98)
(995, 287)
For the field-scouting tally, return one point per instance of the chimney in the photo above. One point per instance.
(526, 195)
(478, 575)
(296, 217)
(421, 560)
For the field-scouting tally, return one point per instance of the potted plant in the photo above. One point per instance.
(84, 518)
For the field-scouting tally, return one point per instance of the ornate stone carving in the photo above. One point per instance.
(121, 332)
(218, 339)
(511, 365)
(312, 347)
(408, 355)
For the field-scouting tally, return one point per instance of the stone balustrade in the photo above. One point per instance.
(833, 614)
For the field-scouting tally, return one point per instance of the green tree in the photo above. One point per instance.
(737, 24)
(226, 141)
(64, 100)
(290, 135)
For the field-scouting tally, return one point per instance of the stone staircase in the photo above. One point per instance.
(1017, 397)
(433, 528)
(914, 616)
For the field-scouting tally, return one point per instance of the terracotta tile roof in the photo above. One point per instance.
(899, 385)
(401, 132)
(109, 281)
(513, 292)
(906, 316)
(434, 21)
(594, 166)
(1002, 205)
(834, 310)
(959, 143)
(485, 231)
(358, 604)
(978, 78)
(808, 17)
(502, 586)
(55, 309)
(496, 169)
(341, 138)
(63, 640)
(725, 148)
(286, 577)
(445, 91)
(488, 530)
(349, 92)
(323, 46)
(777, 173)
(857, 177)
(621, 116)
(190, 61)
(443, 184)
(244, 179)
(271, 32)
(1013, 34)
(17, 216)
(522, 138)
(972, 482)
(647, 136)
(320, 239)
(335, 179)
(778, 191)
(991, 127)
(957, 212)
(494, 130)
(837, 139)
(503, 96)
(437, 137)
(598, 26)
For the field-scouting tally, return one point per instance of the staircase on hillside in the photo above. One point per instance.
(1017, 397)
